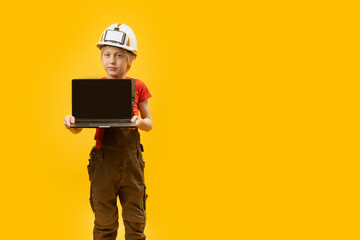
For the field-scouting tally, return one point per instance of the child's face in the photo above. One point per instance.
(115, 62)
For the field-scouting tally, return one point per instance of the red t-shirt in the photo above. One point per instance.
(142, 93)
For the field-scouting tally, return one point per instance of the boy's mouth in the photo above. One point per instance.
(112, 68)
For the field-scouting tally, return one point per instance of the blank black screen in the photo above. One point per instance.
(101, 98)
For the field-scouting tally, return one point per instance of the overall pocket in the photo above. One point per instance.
(140, 158)
(92, 160)
(143, 203)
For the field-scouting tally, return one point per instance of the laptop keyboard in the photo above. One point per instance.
(105, 121)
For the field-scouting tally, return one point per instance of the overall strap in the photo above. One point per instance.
(133, 87)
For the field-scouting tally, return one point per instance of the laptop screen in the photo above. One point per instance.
(101, 98)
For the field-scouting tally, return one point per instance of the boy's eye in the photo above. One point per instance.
(119, 55)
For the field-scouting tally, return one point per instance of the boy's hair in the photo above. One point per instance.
(129, 55)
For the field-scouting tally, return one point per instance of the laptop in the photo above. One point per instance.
(103, 103)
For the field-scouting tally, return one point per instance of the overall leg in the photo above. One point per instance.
(132, 195)
(131, 189)
(104, 178)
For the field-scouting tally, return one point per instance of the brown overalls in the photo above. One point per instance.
(117, 169)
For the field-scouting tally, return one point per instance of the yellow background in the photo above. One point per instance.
(255, 110)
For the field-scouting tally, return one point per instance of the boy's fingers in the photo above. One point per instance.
(67, 121)
(134, 118)
(72, 119)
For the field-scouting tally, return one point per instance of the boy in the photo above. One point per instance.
(116, 166)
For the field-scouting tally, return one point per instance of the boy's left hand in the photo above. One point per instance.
(137, 120)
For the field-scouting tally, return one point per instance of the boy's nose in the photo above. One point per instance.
(112, 60)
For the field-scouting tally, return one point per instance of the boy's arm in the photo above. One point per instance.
(145, 122)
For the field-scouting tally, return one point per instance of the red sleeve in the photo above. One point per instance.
(144, 92)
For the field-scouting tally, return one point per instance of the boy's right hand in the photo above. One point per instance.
(68, 120)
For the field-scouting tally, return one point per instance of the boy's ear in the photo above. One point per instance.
(133, 57)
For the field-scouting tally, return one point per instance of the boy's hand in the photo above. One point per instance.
(68, 120)
(137, 120)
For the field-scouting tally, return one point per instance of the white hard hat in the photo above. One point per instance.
(119, 35)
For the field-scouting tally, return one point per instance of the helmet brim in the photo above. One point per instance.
(100, 45)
